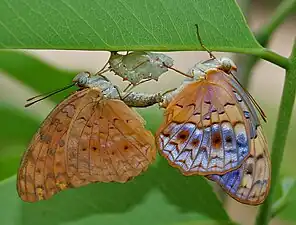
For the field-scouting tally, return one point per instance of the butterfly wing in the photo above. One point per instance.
(250, 183)
(84, 141)
(46, 152)
(108, 142)
(205, 131)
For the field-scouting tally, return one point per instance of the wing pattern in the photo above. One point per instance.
(85, 139)
(250, 183)
(211, 128)
(205, 130)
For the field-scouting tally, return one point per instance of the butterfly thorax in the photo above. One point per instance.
(84, 80)
(201, 68)
(110, 91)
(203, 76)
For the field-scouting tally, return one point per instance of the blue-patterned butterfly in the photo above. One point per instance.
(211, 128)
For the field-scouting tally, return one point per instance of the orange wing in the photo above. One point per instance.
(205, 130)
(250, 183)
(85, 139)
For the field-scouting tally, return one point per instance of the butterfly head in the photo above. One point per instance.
(81, 79)
(227, 65)
(224, 63)
(199, 70)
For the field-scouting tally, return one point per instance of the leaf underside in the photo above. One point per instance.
(123, 25)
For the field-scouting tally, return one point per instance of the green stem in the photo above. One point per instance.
(274, 58)
(279, 141)
(280, 205)
(282, 12)
(263, 53)
(263, 36)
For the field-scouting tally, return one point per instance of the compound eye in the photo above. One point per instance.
(81, 78)
(226, 65)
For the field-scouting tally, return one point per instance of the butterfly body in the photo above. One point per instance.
(139, 65)
(109, 90)
(211, 128)
(91, 136)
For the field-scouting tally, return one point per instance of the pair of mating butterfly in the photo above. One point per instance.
(210, 128)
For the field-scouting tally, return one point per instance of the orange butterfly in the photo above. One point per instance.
(91, 136)
(211, 128)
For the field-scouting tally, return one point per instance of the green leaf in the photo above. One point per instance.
(9, 165)
(284, 207)
(159, 196)
(123, 25)
(19, 127)
(287, 185)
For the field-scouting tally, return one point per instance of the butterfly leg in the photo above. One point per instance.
(118, 91)
(130, 87)
(103, 70)
(104, 77)
(127, 87)
(166, 97)
(178, 71)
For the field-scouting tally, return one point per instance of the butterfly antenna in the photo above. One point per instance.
(127, 87)
(103, 69)
(201, 43)
(178, 71)
(46, 95)
(130, 87)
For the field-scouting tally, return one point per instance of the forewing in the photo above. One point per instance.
(250, 183)
(85, 139)
(108, 142)
(43, 170)
(205, 130)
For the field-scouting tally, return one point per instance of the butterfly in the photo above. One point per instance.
(91, 136)
(211, 128)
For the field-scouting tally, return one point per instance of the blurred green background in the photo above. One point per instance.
(161, 195)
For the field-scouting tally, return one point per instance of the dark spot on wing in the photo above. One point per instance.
(216, 139)
(183, 135)
(228, 103)
(228, 139)
(195, 142)
(249, 169)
